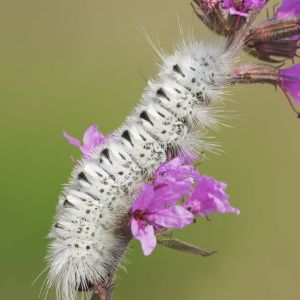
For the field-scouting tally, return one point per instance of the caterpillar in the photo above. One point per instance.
(174, 113)
(174, 109)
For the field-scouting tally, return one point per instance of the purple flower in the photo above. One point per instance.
(209, 196)
(177, 174)
(92, 138)
(288, 9)
(155, 210)
(290, 81)
(241, 8)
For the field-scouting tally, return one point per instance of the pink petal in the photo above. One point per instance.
(291, 81)
(92, 136)
(288, 9)
(71, 140)
(167, 195)
(209, 196)
(172, 217)
(145, 234)
(145, 198)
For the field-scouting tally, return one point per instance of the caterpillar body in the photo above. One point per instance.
(174, 108)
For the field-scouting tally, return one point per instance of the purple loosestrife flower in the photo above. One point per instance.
(177, 173)
(157, 209)
(209, 196)
(154, 211)
(290, 81)
(288, 9)
(92, 138)
(241, 8)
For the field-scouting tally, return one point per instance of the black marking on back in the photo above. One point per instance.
(161, 114)
(82, 176)
(122, 156)
(177, 69)
(146, 117)
(68, 204)
(126, 135)
(109, 175)
(171, 111)
(143, 138)
(105, 152)
(161, 93)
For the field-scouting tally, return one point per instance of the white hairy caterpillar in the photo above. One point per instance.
(175, 108)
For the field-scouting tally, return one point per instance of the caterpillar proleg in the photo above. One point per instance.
(174, 107)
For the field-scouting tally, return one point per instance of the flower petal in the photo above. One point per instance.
(145, 198)
(71, 139)
(209, 196)
(145, 234)
(92, 136)
(288, 9)
(290, 81)
(167, 195)
(172, 217)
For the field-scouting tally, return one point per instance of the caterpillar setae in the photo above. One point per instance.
(173, 115)
(173, 106)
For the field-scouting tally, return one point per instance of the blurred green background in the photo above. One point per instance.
(66, 64)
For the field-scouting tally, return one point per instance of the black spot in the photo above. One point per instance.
(146, 117)
(67, 203)
(193, 69)
(57, 225)
(199, 96)
(143, 138)
(177, 69)
(121, 173)
(164, 131)
(122, 156)
(161, 93)
(105, 152)
(76, 246)
(88, 247)
(193, 80)
(82, 176)
(102, 191)
(177, 91)
(126, 136)
(88, 211)
(178, 105)
(142, 155)
(162, 115)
